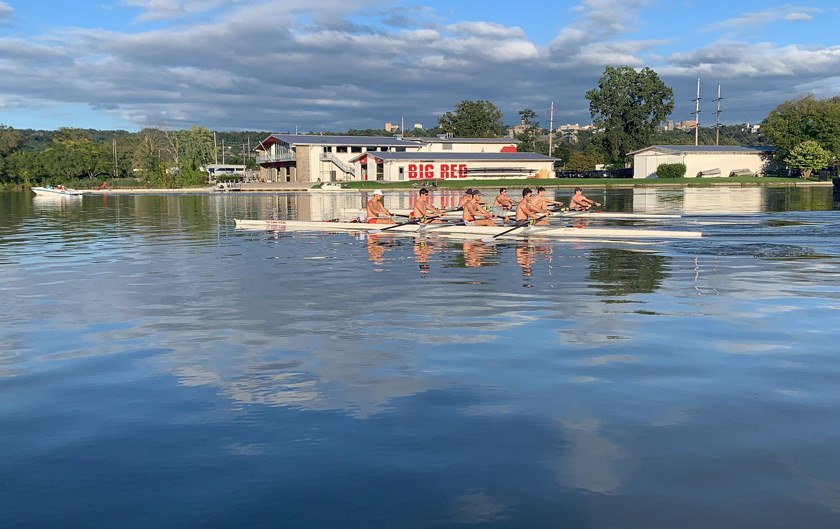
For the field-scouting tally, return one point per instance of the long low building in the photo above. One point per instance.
(419, 166)
(702, 160)
(331, 158)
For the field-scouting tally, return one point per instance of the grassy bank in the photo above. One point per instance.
(587, 182)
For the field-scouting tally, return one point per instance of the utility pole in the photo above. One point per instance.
(697, 115)
(551, 129)
(115, 157)
(717, 116)
(223, 151)
(215, 149)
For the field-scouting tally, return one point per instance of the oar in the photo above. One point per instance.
(519, 224)
(415, 221)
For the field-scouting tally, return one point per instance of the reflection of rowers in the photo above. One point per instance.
(422, 252)
(375, 250)
(475, 252)
(376, 212)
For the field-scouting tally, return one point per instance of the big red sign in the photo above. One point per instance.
(444, 170)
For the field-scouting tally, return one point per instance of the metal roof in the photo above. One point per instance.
(718, 149)
(361, 141)
(379, 141)
(459, 156)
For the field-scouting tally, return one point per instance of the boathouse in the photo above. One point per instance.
(702, 160)
(333, 158)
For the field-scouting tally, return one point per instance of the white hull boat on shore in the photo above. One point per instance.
(506, 232)
(49, 191)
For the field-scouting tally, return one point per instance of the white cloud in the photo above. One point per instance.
(761, 18)
(344, 63)
(5, 11)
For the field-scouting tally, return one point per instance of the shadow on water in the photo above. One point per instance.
(618, 272)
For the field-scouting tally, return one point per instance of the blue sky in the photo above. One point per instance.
(332, 65)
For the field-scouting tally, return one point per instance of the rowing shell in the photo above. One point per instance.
(561, 214)
(477, 231)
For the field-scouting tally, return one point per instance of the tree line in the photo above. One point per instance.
(627, 108)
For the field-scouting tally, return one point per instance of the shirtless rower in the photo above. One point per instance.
(525, 212)
(578, 202)
(424, 212)
(376, 212)
(473, 214)
(467, 196)
(540, 202)
(502, 200)
(502, 204)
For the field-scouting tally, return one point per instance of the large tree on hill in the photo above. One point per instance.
(627, 107)
(473, 119)
(802, 119)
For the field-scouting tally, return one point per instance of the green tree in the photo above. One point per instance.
(529, 132)
(148, 161)
(808, 156)
(801, 119)
(473, 119)
(627, 107)
(583, 160)
(10, 140)
(196, 152)
(74, 155)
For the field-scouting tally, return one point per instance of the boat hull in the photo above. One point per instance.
(53, 192)
(476, 231)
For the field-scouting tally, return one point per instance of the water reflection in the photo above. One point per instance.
(619, 272)
(278, 356)
(477, 252)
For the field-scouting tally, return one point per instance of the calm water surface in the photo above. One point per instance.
(159, 368)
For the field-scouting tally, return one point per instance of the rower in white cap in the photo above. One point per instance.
(376, 212)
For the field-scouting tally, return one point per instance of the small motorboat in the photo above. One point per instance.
(59, 191)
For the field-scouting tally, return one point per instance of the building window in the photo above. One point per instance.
(355, 149)
(342, 148)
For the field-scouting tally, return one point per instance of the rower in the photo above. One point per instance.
(467, 196)
(376, 211)
(424, 212)
(502, 200)
(502, 205)
(473, 214)
(540, 202)
(525, 212)
(578, 202)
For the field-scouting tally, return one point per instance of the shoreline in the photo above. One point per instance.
(303, 187)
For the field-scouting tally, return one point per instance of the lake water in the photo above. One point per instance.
(159, 368)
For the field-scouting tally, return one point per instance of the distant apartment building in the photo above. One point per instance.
(569, 132)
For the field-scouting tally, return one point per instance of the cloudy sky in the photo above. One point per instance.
(315, 65)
